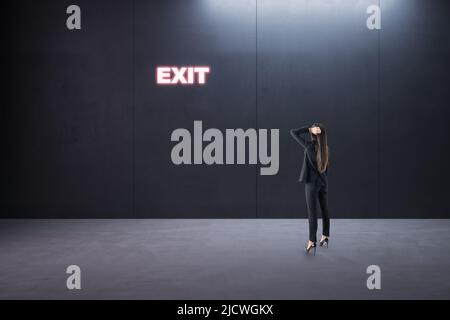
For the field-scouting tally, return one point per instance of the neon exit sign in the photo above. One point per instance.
(185, 75)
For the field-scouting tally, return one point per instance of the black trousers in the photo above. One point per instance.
(317, 193)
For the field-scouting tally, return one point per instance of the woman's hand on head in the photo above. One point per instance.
(315, 130)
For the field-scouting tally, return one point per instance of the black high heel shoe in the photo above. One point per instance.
(324, 242)
(311, 248)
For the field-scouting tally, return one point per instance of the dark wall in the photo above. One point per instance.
(414, 108)
(86, 131)
(317, 62)
(193, 33)
(67, 129)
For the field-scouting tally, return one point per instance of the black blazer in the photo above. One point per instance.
(309, 172)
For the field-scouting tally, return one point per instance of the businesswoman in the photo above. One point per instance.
(314, 175)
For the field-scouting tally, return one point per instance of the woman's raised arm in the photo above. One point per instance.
(298, 133)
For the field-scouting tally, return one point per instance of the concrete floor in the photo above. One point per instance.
(222, 259)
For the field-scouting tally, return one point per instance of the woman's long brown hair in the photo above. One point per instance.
(322, 154)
